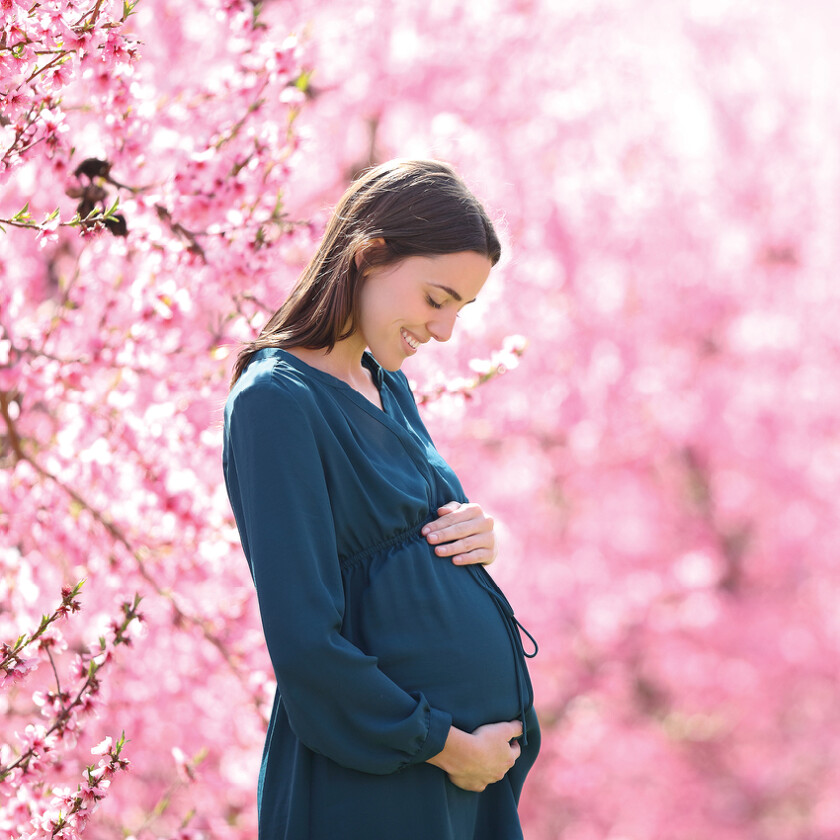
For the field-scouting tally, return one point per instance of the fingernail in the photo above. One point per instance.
(433, 537)
(425, 530)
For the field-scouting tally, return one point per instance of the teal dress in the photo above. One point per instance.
(378, 645)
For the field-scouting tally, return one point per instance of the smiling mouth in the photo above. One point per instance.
(410, 340)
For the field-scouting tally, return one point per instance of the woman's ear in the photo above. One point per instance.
(367, 245)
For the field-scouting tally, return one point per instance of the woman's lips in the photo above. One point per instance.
(412, 341)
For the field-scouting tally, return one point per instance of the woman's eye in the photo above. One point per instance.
(433, 303)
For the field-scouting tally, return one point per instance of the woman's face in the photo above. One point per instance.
(404, 305)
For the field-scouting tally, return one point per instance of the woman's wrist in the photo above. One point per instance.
(454, 751)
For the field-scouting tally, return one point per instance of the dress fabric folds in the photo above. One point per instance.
(377, 644)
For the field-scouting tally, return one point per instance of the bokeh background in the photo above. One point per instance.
(661, 453)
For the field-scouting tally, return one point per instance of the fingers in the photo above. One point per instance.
(513, 729)
(454, 530)
(454, 518)
(464, 552)
(449, 507)
(508, 730)
(462, 532)
(467, 784)
(473, 549)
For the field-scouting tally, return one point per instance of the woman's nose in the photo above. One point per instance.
(442, 326)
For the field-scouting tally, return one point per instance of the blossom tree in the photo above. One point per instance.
(144, 151)
(661, 459)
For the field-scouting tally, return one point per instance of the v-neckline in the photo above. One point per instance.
(387, 415)
(368, 361)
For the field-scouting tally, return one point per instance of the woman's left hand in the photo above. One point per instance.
(463, 532)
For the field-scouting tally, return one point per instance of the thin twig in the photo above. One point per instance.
(55, 671)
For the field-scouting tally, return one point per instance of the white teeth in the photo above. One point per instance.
(412, 342)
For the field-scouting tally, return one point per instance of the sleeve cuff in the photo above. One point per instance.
(439, 726)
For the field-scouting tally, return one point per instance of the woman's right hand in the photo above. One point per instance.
(473, 761)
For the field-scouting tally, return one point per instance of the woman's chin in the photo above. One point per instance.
(388, 361)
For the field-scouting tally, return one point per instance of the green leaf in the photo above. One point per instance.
(23, 214)
(112, 209)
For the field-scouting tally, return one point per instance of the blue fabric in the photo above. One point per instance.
(377, 644)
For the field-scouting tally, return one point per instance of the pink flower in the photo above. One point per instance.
(61, 75)
(18, 670)
(114, 50)
(17, 102)
(91, 793)
(52, 638)
(78, 668)
(47, 234)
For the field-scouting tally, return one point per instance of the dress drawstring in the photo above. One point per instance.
(514, 630)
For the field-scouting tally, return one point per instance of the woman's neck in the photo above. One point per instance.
(344, 362)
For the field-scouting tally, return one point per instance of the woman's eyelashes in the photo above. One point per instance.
(435, 305)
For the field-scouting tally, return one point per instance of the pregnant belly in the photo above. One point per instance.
(436, 630)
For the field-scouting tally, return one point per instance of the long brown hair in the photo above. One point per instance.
(415, 208)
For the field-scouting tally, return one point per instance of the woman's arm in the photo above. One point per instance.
(464, 533)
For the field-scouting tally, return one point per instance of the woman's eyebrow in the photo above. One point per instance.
(450, 291)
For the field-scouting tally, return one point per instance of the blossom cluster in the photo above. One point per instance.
(34, 805)
(43, 48)
(178, 138)
(499, 363)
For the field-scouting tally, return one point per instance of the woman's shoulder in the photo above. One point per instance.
(273, 405)
(270, 379)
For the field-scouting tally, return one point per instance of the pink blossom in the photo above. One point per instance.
(17, 671)
(16, 101)
(52, 638)
(90, 794)
(61, 75)
(8, 6)
(480, 366)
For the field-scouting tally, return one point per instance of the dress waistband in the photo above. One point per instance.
(404, 536)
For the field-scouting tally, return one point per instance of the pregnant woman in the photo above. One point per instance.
(404, 709)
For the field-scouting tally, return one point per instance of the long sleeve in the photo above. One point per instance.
(339, 703)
